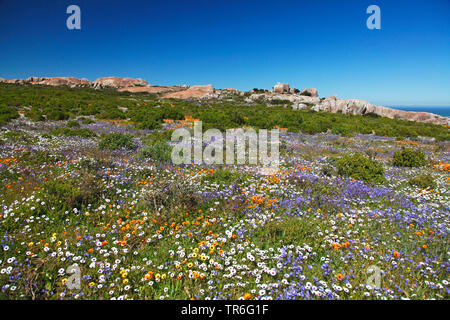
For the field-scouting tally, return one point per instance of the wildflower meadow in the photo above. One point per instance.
(95, 209)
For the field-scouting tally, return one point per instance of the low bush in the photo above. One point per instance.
(222, 176)
(73, 124)
(157, 151)
(76, 193)
(86, 120)
(6, 114)
(424, 181)
(409, 158)
(115, 141)
(361, 168)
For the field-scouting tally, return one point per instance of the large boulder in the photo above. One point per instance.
(281, 88)
(68, 81)
(116, 82)
(150, 89)
(363, 107)
(196, 92)
(312, 92)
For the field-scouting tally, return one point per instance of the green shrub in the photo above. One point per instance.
(73, 124)
(114, 141)
(150, 124)
(409, 158)
(57, 115)
(222, 176)
(361, 168)
(158, 136)
(424, 181)
(69, 194)
(157, 151)
(7, 114)
(86, 120)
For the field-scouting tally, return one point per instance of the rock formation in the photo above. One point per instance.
(280, 87)
(197, 92)
(312, 92)
(305, 99)
(151, 89)
(116, 82)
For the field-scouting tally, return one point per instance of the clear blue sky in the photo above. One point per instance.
(240, 44)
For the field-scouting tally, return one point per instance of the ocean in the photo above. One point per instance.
(440, 110)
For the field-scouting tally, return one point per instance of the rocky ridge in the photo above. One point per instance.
(307, 98)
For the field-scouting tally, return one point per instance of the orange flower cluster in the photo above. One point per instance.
(442, 166)
(408, 142)
(336, 246)
(148, 276)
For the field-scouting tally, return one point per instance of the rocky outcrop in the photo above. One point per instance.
(196, 92)
(151, 89)
(312, 92)
(362, 107)
(346, 106)
(60, 81)
(281, 88)
(305, 99)
(52, 81)
(116, 82)
(294, 98)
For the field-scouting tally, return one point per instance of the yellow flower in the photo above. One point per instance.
(163, 276)
(91, 284)
(64, 281)
(124, 275)
(125, 281)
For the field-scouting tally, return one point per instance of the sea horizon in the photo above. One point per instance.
(439, 110)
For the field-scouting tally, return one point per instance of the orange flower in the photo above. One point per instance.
(396, 254)
(339, 276)
(247, 296)
(424, 246)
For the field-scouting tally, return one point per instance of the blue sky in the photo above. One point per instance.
(240, 44)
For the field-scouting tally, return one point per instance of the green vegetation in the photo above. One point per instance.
(73, 124)
(148, 111)
(424, 181)
(360, 168)
(222, 176)
(115, 141)
(157, 151)
(409, 158)
(6, 114)
(73, 193)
